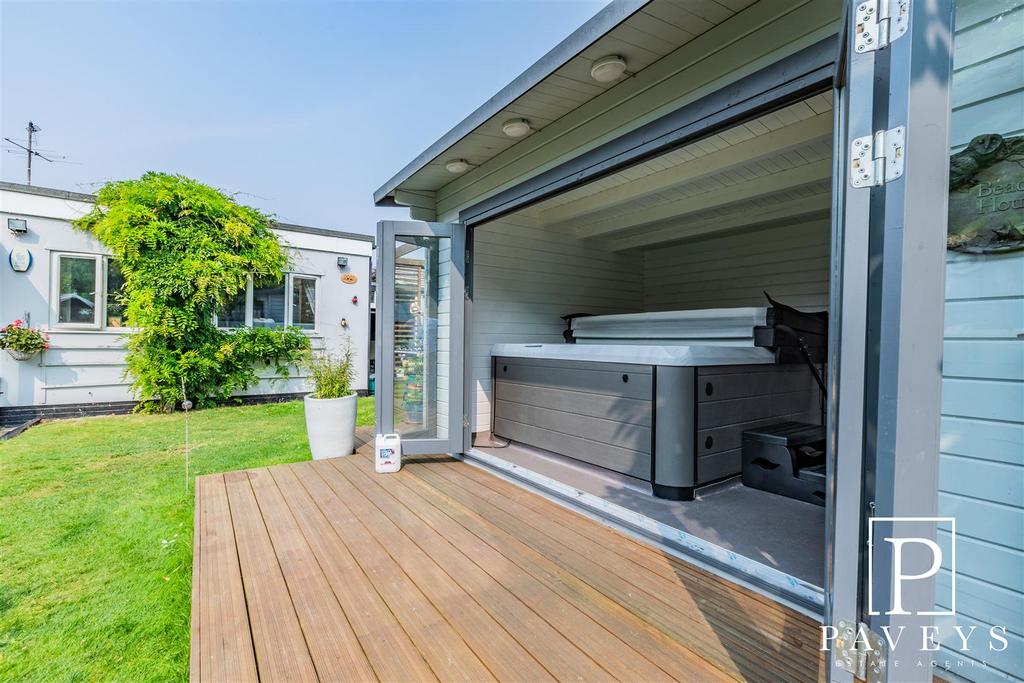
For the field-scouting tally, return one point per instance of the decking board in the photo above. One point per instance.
(327, 571)
(737, 636)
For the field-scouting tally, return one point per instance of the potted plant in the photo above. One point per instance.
(331, 406)
(22, 343)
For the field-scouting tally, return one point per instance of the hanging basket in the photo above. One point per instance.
(21, 355)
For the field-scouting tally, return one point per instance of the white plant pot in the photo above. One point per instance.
(331, 426)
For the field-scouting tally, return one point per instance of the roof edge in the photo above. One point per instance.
(601, 23)
(91, 198)
(326, 232)
(47, 192)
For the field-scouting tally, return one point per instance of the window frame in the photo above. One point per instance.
(289, 314)
(102, 266)
(289, 279)
(99, 306)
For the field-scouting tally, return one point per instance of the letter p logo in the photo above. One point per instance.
(910, 557)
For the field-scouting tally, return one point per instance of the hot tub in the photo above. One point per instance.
(669, 414)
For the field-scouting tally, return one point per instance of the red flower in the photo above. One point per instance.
(46, 346)
(46, 336)
(17, 323)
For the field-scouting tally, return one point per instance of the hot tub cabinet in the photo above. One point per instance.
(673, 416)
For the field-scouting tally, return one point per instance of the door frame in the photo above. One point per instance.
(387, 232)
(888, 290)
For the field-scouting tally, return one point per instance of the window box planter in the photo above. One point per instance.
(22, 355)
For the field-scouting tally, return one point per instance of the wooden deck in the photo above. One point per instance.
(326, 571)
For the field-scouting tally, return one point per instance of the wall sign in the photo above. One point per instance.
(350, 278)
(986, 196)
(20, 259)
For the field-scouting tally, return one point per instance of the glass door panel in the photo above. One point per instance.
(422, 305)
(420, 333)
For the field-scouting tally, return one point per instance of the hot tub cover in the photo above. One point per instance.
(714, 325)
(641, 354)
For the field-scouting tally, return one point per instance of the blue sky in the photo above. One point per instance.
(306, 108)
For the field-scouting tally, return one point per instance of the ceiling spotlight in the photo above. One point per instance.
(457, 166)
(608, 69)
(516, 128)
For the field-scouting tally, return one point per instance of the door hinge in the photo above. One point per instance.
(860, 651)
(879, 22)
(878, 158)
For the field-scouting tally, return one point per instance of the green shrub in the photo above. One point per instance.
(185, 249)
(331, 374)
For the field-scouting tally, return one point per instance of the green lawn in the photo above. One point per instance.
(96, 536)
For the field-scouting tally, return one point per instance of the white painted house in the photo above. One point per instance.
(661, 168)
(83, 371)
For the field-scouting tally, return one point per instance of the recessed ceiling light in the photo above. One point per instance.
(608, 69)
(457, 166)
(516, 128)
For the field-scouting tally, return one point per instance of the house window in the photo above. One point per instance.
(303, 302)
(87, 291)
(234, 313)
(114, 316)
(268, 305)
(290, 303)
(78, 278)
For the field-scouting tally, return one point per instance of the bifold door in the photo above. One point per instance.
(889, 233)
(420, 334)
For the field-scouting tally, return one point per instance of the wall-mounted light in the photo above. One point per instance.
(343, 262)
(608, 69)
(457, 166)
(17, 225)
(516, 128)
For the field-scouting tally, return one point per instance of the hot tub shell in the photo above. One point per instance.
(673, 416)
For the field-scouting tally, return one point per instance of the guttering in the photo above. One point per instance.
(47, 192)
(579, 40)
(326, 232)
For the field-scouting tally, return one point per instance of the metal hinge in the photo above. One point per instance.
(878, 158)
(879, 22)
(860, 651)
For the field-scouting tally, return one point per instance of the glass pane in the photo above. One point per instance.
(268, 304)
(233, 315)
(304, 302)
(981, 460)
(115, 307)
(77, 303)
(421, 336)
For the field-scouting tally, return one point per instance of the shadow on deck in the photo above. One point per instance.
(327, 571)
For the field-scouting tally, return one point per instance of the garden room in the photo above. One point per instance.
(622, 342)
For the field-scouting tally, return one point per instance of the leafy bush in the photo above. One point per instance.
(17, 337)
(331, 374)
(184, 250)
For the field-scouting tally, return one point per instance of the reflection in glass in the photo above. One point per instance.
(115, 306)
(420, 333)
(77, 302)
(233, 314)
(304, 302)
(268, 305)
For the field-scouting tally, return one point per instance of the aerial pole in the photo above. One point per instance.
(29, 152)
(32, 130)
